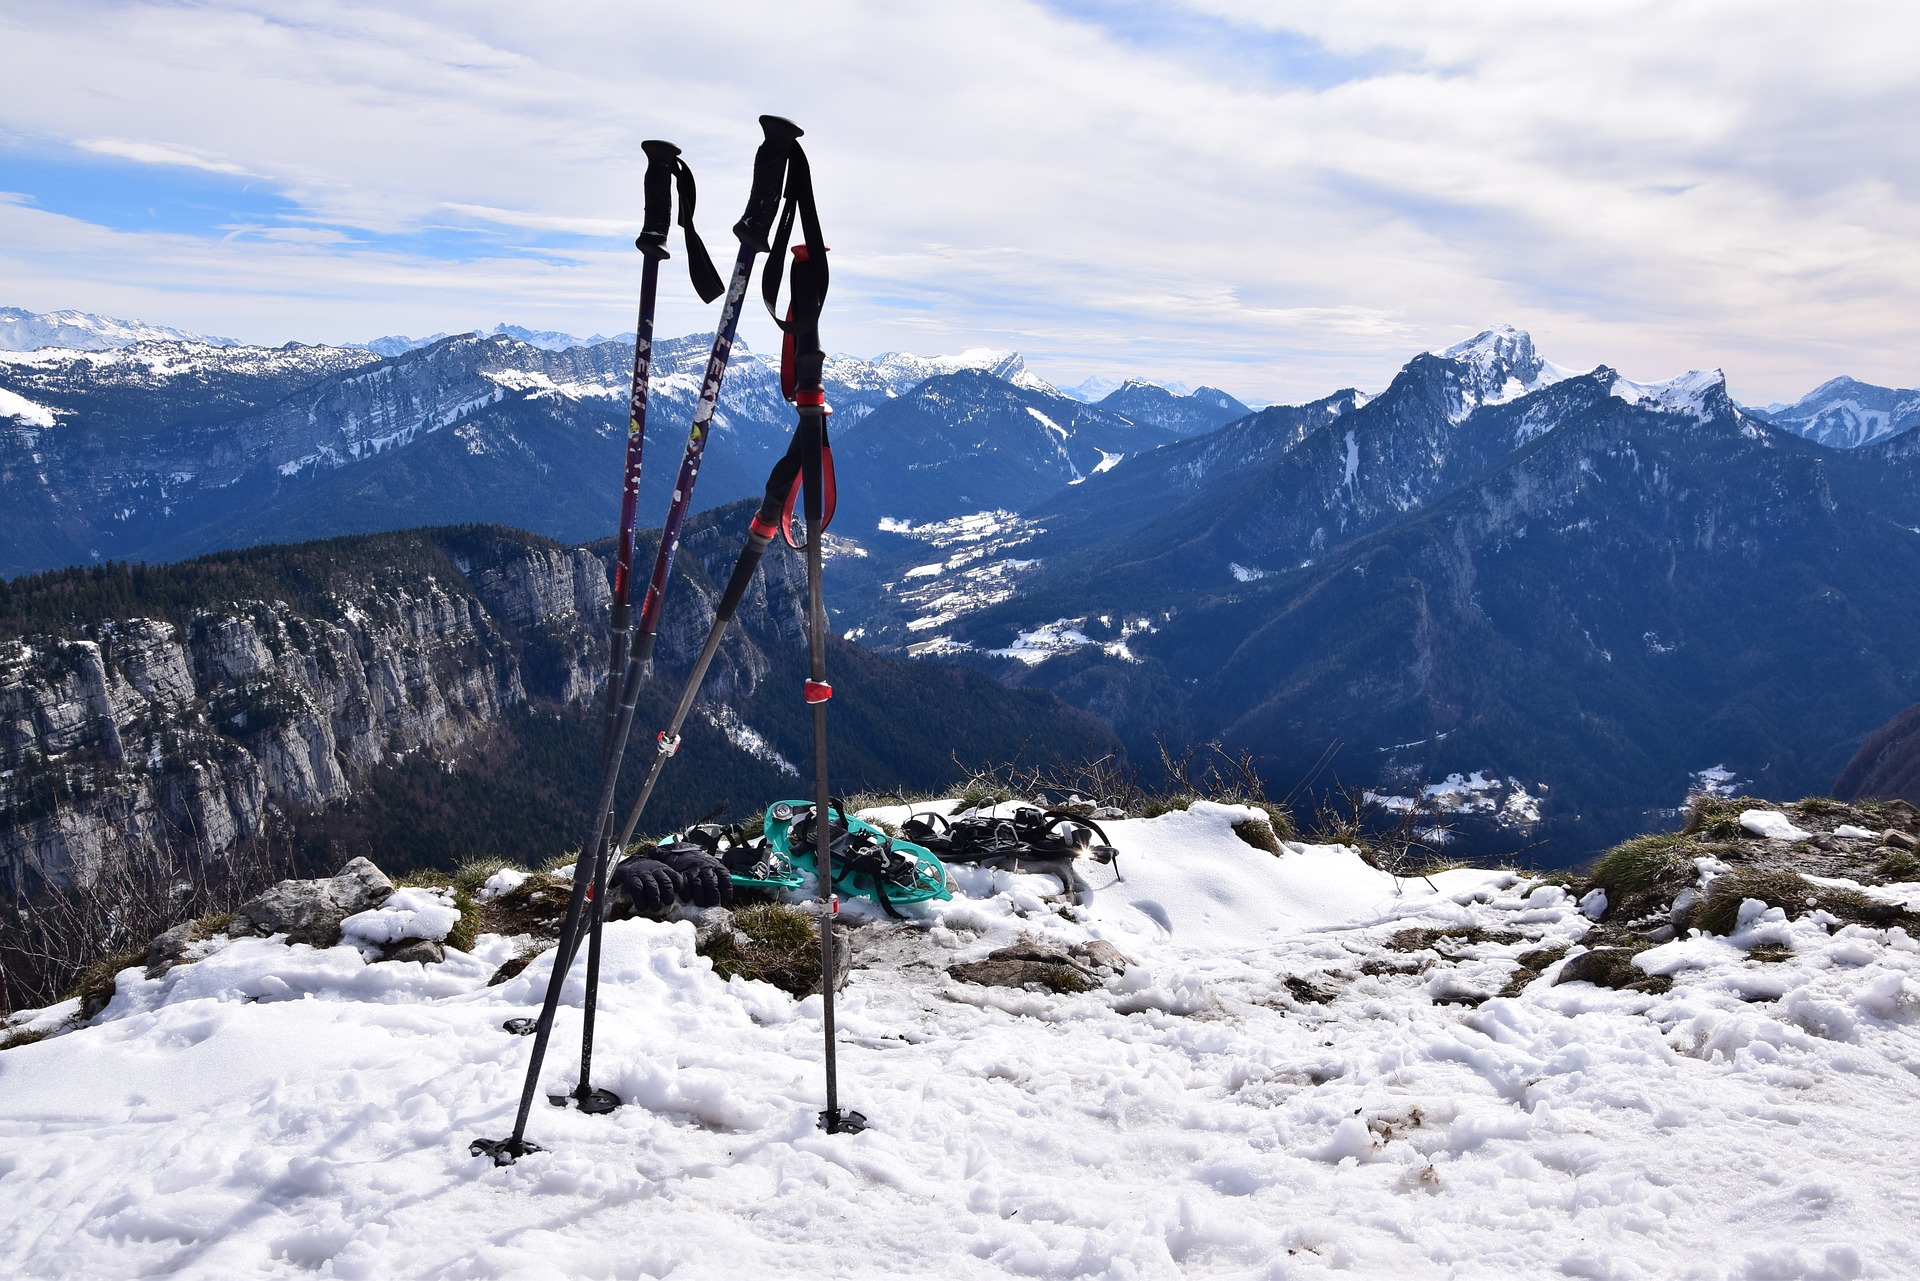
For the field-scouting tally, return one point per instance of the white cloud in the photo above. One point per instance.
(1655, 185)
(544, 222)
(153, 153)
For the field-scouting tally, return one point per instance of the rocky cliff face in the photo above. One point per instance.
(125, 736)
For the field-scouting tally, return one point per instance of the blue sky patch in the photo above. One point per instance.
(178, 199)
(1222, 47)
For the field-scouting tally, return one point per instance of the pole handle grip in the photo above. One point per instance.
(769, 177)
(657, 186)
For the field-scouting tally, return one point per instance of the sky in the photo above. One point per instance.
(1278, 198)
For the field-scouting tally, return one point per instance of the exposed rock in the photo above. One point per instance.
(1899, 839)
(1102, 955)
(166, 949)
(311, 911)
(139, 735)
(709, 924)
(1030, 962)
(1609, 967)
(430, 951)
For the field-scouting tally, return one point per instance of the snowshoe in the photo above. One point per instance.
(1027, 832)
(754, 863)
(1030, 840)
(866, 860)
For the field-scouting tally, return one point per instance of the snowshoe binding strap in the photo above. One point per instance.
(800, 835)
(885, 868)
(1062, 831)
(756, 860)
(714, 838)
(1028, 832)
(920, 830)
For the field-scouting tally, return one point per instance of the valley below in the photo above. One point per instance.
(1499, 609)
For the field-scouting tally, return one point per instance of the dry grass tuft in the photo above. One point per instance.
(1796, 896)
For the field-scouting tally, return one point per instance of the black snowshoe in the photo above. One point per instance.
(1044, 841)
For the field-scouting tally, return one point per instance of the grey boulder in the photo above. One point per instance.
(311, 911)
(425, 951)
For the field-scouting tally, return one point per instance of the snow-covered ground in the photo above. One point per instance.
(1271, 1090)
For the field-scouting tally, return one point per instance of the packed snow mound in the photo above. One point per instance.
(406, 914)
(1772, 824)
(1307, 1068)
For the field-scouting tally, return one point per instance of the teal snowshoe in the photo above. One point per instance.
(866, 861)
(754, 863)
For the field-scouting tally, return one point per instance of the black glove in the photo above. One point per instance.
(651, 884)
(704, 880)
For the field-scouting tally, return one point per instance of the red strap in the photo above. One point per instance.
(786, 512)
(829, 492)
(787, 373)
(818, 691)
(761, 529)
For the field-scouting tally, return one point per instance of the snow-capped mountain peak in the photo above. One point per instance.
(894, 373)
(1498, 365)
(1092, 390)
(1698, 393)
(22, 330)
(1845, 413)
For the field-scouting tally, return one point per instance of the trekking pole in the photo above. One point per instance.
(805, 470)
(783, 484)
(812, 456)
(664, 167)
(753, 230)
(769, 168)
(664, 170)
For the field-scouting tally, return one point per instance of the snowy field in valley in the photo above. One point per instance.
(1278, 1086)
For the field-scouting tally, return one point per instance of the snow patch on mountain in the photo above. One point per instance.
(22, 330)
(536, 384)
(1483, 793)
(975, 571)
(14, 405)
(1048, 423)
(1065, 635)
(746, 738)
